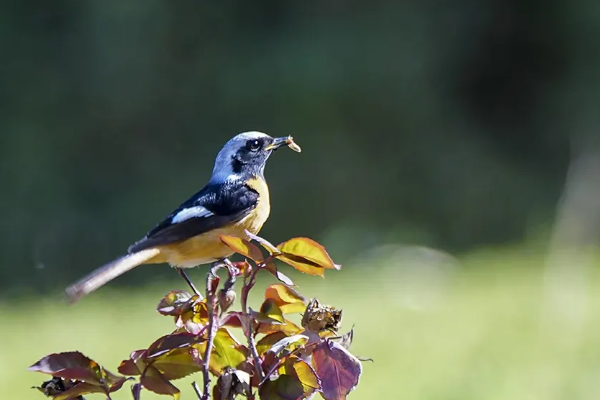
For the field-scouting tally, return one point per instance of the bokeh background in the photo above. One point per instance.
(451, 163)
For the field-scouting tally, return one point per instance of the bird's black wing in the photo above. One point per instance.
(215, 206)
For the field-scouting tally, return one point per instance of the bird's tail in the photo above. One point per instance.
(108, 272)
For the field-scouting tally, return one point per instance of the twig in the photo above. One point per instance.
(135, 391)
(197, 390)
(189, 282)
(281, 361)
(257, 364)
(248, 284)
(211, 308)
(271, 371)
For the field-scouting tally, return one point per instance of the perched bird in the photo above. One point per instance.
(235, 199)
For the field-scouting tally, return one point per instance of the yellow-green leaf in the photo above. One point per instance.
(243, 247)
(288, 300)
(270, 309)
(302, 370)
(296, 381)
(195, 318)
(264, 344)
(263, 242)
(309, 250)
(301, 264)
(177, 363)
(290, 343)
(287, 327)
(227, 352)
(79, 390)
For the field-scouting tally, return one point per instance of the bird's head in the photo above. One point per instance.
(246, 155)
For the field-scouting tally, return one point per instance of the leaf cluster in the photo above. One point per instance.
(280, 359)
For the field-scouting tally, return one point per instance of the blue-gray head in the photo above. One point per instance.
(246, 155)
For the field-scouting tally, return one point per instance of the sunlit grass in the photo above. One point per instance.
(480, 329)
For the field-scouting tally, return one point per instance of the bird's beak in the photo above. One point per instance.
(283, 141)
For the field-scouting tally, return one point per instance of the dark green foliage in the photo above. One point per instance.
(444, 125)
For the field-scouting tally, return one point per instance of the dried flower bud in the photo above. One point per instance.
(226, 298)
(230, 384)
(319, 317)
(56, 386)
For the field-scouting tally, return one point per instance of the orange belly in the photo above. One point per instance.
(207, 247)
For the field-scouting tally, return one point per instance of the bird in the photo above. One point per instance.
(235, 200)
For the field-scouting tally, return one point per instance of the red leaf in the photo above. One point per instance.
(79, 390)
(337, 368)
(241, 267)
(154, 381)
(170, 355)
(130, 366)
(74, 366)
(233, 319)
(167, 343)
(69, 365)
(116, 385)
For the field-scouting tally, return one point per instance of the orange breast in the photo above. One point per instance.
(207, 247)
(258, 217)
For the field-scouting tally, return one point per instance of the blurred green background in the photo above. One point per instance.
(451, 162)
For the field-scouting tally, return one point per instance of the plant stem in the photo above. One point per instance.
(255, 356)
(189, 282)
(278, 364)
(211, 308)
(248, 284)
(197, 390)
(135, 391)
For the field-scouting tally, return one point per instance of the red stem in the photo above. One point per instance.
(248, 285)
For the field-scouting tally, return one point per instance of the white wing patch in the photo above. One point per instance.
(192, 212)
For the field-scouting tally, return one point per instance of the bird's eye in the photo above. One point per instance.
(253, 145)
